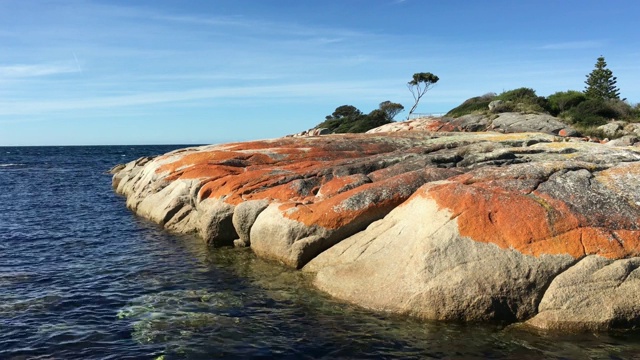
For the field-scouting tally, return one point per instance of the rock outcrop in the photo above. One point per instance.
(517, 227)
(504, 122)
(311, 132)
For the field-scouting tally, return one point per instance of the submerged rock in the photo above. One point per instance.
(437, 225)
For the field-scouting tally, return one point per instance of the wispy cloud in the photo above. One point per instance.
(254, 26)
(309, 91)
(26, 71)
(572, 45)
(196, 20)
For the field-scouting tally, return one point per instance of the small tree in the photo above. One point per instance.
(345, 112)
(420, 84)
(391, 109)
(601, 84)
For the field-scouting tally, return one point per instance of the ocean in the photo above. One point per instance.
(82, 277)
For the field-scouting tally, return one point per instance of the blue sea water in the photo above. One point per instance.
(81, 277)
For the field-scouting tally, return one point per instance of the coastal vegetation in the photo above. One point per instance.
(349, 119)
(598, 104)
(585, 110)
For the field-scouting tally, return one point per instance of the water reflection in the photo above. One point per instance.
(265, 309)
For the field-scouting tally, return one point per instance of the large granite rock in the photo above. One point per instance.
(508, 122)
(438, 225)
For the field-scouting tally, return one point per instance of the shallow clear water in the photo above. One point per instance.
(82, 277)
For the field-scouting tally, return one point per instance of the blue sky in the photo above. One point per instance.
(186, 72)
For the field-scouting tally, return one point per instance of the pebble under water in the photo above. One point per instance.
(81, 277)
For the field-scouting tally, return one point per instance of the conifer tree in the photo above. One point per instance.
(601, 84)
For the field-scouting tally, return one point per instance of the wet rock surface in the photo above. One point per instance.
(438, 225)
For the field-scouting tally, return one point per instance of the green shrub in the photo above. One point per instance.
(525, 100)
(564, 100)
(622, 109)
(518, 95)
(635, 111)
(505, 106)
(595, 112)
(348, 119)
(591, 131)
(472, 105)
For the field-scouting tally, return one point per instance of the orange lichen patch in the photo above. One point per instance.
(531, 224)
(372, 200)
(211, 158)
(204, 171)
(281, 193)
(436, 125)
(565, 243)
(630, 240)
(342, 184)
(305, 166)
(233, 187)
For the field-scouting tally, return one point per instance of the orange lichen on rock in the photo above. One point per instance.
(333, 214)
(342, 184)
(369, 200)
(193, 158)
(232, 188)
(204, 171)
(532, 224)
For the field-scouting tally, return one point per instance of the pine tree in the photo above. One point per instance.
(601, 84)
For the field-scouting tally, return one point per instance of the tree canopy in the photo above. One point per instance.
(419, 85)
(348, 119)
(601, 84)
(391, 109)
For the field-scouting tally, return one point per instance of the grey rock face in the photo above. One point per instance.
(611, 129)
(595, 294)
(516, 122)
(244, 216)
(494, 104)
(423, 267)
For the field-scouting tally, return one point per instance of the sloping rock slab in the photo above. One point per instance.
(456, 226)
(509, 122)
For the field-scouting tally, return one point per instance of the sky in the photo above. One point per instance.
(115, 72)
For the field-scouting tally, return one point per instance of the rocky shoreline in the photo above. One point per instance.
(428, 221)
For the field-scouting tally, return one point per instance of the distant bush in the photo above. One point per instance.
(564, 100)
(622, 108)
(348, 119)
(595, 112)
(523, 100)
(518, 95)
(636, 113)
(573, 107)
(591, 131)
(472, 105)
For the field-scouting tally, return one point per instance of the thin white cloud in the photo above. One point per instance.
(252, 93)
(254, 26)
(215, 21)
(25, 71)
(572, 45)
